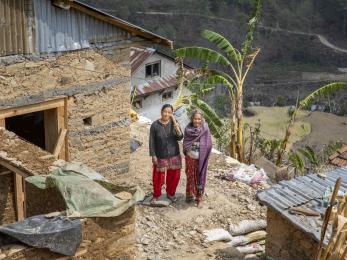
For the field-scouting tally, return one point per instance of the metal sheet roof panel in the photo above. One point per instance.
(305, 190)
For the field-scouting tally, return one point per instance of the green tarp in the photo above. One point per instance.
(87, 193)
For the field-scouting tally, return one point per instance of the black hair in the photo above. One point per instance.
(194, 113)
(166, 106)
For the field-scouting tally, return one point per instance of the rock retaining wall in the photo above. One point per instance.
(285, 241)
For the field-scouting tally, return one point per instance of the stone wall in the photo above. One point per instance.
(98, 84)
(286, 242)
(7, 199)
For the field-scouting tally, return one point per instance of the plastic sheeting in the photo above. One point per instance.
(87, 193)
(58, 234)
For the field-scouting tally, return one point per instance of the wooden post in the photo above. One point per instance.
(66, 103)
(2, 122)
(60, 142)
(20, 196)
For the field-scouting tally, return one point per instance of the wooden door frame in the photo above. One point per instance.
(56, 111)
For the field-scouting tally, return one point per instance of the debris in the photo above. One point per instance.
(247, 226)
(248, 174)
(217, 234)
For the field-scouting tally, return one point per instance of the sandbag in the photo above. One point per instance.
(218, 234)
(249, 238)
(250, 249)
(247, 226)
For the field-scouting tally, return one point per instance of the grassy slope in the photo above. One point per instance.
(274, 121)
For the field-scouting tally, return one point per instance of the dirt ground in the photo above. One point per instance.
(325, 128)
(175, 232)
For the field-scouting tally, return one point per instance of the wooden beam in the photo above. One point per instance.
(67, 101)
(61, 125)
(5, 173)
(51, 128)
(20, 196)
(2, 123)
(60, 142)
(132, 29)
(15, 169)
(10, 112)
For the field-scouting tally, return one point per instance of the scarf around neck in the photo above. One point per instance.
(203, 136)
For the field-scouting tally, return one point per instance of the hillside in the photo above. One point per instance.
(294, 37)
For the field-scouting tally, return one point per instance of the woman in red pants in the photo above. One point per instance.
(164, 150)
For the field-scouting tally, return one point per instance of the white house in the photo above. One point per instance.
(153, 76)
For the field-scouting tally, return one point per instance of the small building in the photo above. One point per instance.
(65, 92)
(66, 65)
(154, 80)
(292, 236)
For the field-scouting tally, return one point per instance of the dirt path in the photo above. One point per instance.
(323, 40)
(175, 232)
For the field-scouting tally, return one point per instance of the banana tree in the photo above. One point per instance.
(198, 89)
(322, 91)
(236, 64)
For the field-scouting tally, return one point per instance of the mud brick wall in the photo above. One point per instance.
(7, 199)
(103, 143)
(98, 85)
(286, 242)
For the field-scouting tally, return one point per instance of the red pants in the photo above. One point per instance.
(172, 179)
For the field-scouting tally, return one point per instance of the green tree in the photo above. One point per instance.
(237, 64)
(306, 102)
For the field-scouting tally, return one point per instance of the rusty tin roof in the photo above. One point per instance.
(340, 157)
(305, 191)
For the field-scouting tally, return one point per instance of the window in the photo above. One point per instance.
(42, 124)
(137, 104)
(153, 69)
(167, 95)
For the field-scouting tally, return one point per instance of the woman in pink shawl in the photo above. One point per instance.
(197, 146)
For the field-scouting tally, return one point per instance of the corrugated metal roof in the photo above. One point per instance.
(305, 190)
(28, 26)
(135, 30)
(340, 157)
(15, 36)
(64, 30)
(157, 84)
(138, 55)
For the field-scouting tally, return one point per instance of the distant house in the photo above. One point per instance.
(153, 77)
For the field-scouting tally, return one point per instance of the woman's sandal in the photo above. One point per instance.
(172, 198)
(189, 199)
(153, 201)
